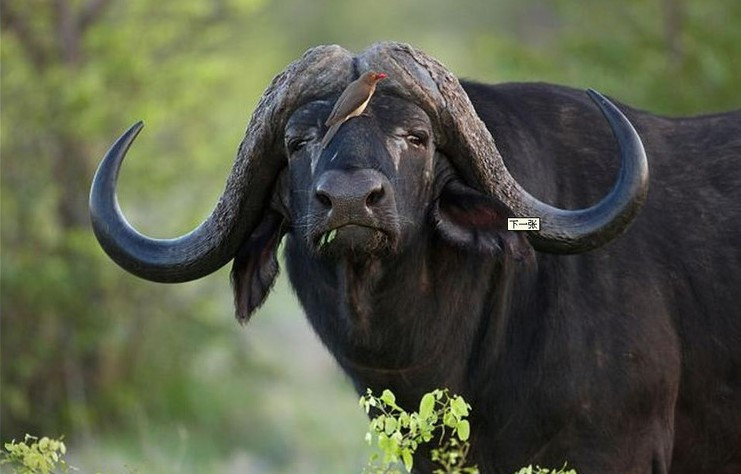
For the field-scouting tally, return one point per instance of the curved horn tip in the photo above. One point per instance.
(135, 129)
(602, 102)
(125, 140)
(595, 95)
(114, 157)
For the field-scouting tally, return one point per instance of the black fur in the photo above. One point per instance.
(625, 359)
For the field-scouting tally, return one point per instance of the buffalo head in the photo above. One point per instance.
(418, 159)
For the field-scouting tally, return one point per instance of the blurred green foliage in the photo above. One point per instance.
(35, 456)
(94, 353)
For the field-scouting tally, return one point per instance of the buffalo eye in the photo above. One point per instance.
(417, 138)
(296, 144)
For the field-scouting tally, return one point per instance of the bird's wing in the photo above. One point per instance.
(343, 106)
(330, 134)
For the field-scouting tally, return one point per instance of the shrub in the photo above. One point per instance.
(441, 418)
(35, 456)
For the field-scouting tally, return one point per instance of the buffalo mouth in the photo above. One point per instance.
(355, 239)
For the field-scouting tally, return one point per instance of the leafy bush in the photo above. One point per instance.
(35, 456)
(399, 433)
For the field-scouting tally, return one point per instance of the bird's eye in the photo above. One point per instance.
(417, 138)
(297, 143)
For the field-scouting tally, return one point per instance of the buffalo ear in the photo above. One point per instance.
(256, 265)
(468, 218)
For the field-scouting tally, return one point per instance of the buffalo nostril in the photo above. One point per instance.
(375, 196)
(324, 199)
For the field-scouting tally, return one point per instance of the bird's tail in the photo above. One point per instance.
(330, 134)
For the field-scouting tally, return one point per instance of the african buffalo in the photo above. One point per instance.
(610, 339)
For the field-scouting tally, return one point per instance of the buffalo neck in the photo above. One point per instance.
(402, 322)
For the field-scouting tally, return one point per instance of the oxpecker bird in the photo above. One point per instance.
(352, 102)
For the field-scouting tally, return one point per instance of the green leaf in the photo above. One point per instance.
(383, 442)
(404, 419)
(459, 407)
(406, 456)
(396, 439)
(463, 429)
(426, 405)
(450, 420)
(392, 448)
(388, 397)
(391, 425)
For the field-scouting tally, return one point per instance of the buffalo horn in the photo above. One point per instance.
(321, 71)
(464, 138)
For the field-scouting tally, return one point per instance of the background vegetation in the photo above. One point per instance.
(161, 378)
